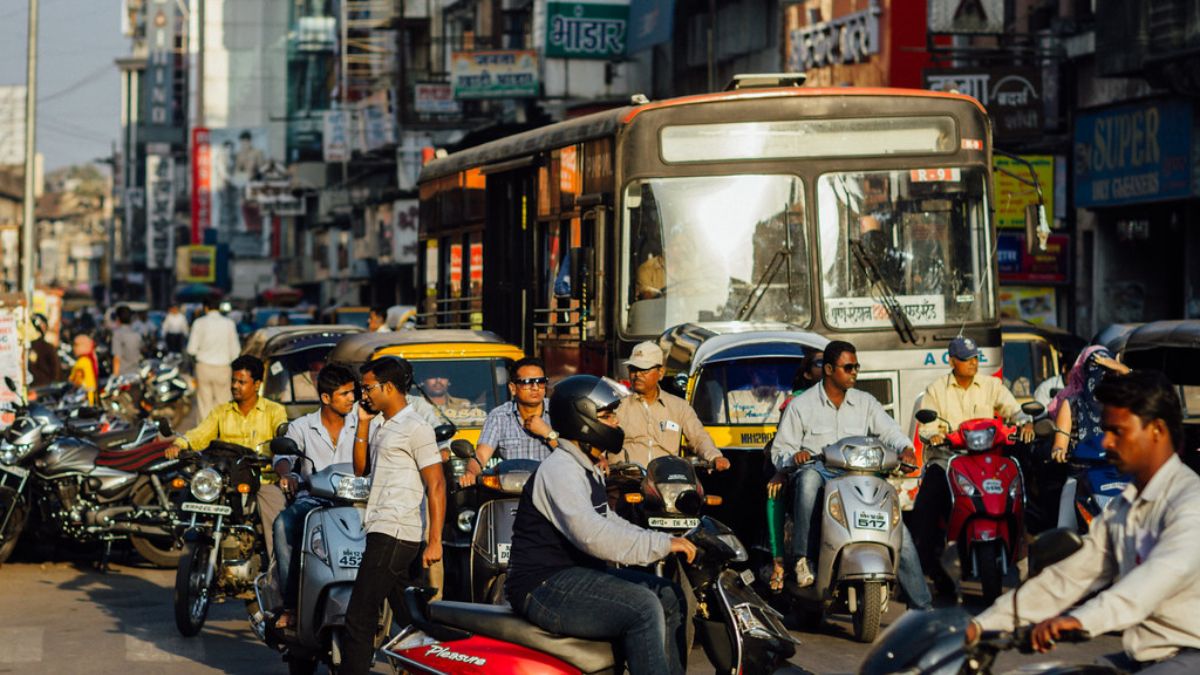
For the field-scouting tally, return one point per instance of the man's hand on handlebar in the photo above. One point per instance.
(288, 484)
(681, 545)
(909, 457)
(721, 463)
(1048, 632)
(802, 457)
(172, 451)
(1026, 432)
(937, 439)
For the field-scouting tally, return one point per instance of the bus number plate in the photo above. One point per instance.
(942, 175)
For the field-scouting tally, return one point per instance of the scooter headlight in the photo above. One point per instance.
(739, 551)
(979, 439)
(864, 457)
(316, 544)
(354, 488)
(835, 509)
(465, 520)
(206, 485)
(965, 485)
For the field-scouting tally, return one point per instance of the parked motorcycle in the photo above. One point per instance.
(860, 537)
(157, 390)
(739, 631)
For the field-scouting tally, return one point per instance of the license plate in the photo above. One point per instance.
(350, 557)
(503, 551)
(211, 509)
(993, 486)
(870, 520)
(15, 470)
(674, 523)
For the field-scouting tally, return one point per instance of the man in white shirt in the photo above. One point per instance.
(1141, 553)
(214, 344)
(175, 330)
(377, 320)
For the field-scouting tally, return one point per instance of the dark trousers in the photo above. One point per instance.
(175, 342)
(389, 565)
(931, 509)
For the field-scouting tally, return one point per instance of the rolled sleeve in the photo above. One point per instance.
(697, 436)
(787, 438)
(424, 447)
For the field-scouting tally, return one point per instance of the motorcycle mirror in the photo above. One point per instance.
(681, 380)
(1051, 547)
(10, 383)
(164, 427)
(1044, 428)
(281, 430)
(462, 449)
(285, 446)
(925, 416)
(1033, 409)
(444, 432)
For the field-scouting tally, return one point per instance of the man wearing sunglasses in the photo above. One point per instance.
(824, 414)
(655, 422)
(519, 428)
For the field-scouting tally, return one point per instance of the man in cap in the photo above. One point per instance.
(654, 421)
(957, 397)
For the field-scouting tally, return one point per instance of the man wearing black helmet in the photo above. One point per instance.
(564, 534)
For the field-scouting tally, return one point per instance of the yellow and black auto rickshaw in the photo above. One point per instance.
(293, 355)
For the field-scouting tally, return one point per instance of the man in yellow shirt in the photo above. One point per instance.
(249, 421)
(85, 374)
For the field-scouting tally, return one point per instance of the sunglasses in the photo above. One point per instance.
(849, 367)
(531, 382)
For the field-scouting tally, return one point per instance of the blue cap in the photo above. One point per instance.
(963, 349)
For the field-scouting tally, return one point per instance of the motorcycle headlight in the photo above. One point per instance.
(739, 551)
(465, 520)
(354, 488)
(864, 457)
(979, 439)
(965, 485)
(206, 485)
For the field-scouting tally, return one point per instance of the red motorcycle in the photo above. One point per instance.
(987, 519)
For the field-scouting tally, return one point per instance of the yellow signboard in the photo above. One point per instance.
(196, 264)
(1012, 195)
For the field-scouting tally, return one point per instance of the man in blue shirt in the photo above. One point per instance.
(519, 428)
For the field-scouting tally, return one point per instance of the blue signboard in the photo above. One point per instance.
(651, 22)
(1133, 154)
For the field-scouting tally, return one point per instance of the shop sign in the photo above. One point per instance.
(851, 38)
(1133, 154)
(201, 183)
(435, 98)
(1013, 195)
(1012, 96)
(455, 270)
(1052, 266)
(966, 16)
(476, 266)
(1037, 304)
(160, 64)
(651, 22)
(586, 30)
(160, 212)
(494, 74)
(196, 264)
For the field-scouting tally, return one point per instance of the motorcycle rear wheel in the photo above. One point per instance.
(192, 597)
(158, 551)
(870, 611)
(16, 521)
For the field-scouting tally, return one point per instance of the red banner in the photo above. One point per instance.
(201, 184)
(476, 265)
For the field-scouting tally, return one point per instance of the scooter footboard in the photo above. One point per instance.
(337, 601)
(866, 560)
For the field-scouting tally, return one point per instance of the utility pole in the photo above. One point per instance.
(29, 226)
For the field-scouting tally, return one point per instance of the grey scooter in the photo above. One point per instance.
(860, 537)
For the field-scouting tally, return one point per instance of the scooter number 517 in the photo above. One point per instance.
(870, 520)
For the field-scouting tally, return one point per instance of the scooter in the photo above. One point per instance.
(1093, 483)
(739, 631)
(860, 537)
(987, 516)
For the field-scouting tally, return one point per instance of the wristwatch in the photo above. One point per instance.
(552, 436)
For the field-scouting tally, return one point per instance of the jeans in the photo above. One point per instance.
(807, 486)
(289, 528)
(642, 612)
(389, 565)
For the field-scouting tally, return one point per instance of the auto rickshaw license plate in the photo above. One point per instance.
(674, 523)
(870, 520)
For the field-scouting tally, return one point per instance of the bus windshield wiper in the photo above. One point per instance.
(886, 296)
(782, 257)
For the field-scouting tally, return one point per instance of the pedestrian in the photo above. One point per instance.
(175, 330)
(214, 345)
(126, 343)
(85, 374)
(377, 320)
(44, 366)
(405, 509)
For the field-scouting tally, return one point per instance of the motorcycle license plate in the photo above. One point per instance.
(674, 523)
(870, 520)
(15, 470)
(503, 551)
(350, 557)
(993, 486)
(211, 509)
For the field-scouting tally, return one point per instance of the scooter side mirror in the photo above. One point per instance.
(285, 446)
(10, 383)
(1044, 428)
(1051, 547)
(281, 430)
(1033, 409)
(462, 449)
(444, 432)
(926, 416)
(164, 427)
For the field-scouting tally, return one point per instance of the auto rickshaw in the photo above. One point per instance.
(1172, 347)
(292, 356)
(1033, 354)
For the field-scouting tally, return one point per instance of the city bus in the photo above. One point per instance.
(859, 214)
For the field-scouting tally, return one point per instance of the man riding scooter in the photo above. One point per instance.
(564, 535)
(822, 415)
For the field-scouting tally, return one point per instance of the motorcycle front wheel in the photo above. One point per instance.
(870, 611)
(991, 573)
(191, 591)
(12, 504)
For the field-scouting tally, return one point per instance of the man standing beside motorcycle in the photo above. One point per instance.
(564, 535)
(521, 427)
(327, 436)
(1141, 550)
(957, 397)
(654, 421)
(249, 421)
(824, 414)
(407, 506)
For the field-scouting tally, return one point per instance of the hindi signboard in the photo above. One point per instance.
(160, 212)
(867, 312)
(494, 74)
(586, 30)
(435, 98)
(1013, 195)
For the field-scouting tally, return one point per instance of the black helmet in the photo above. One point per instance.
(574, 409)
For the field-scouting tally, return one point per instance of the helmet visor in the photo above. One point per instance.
(607, 394)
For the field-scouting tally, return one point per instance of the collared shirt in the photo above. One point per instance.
(214, 340)
(1143, 551)
(312, 437)
(127, 348)
(175, 324)
(811, 421)
(985, 397)
(654, 430)
(1045, 391)
(504, 431)
(227, 423)
(403, 445)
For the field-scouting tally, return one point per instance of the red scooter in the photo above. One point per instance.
(987, 519)
(739, 631)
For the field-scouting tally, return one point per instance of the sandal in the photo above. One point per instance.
(777, 572)
(284, 621)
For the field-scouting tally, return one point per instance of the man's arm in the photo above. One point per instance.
(193, 345)
(203, 434)
(235, 346)
(697, 436)
(435, 497)
(932, 400)
(787, 438)
(881, 424)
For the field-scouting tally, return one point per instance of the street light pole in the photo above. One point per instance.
(28, 226)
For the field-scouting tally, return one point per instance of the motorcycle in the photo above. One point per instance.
(73, 487)
(987, 515)
(931, 643)
(860, 537)
(739, 631)
(1091, 485)
(223, 545)
(158, 390)
(331, 553)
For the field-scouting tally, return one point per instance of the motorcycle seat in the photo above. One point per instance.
(502, 623)
(135, 459)
(111, 440)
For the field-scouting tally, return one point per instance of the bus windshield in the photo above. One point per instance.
(697, 248)
(919, 236)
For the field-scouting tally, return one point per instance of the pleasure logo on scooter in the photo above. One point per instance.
(443, 652)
